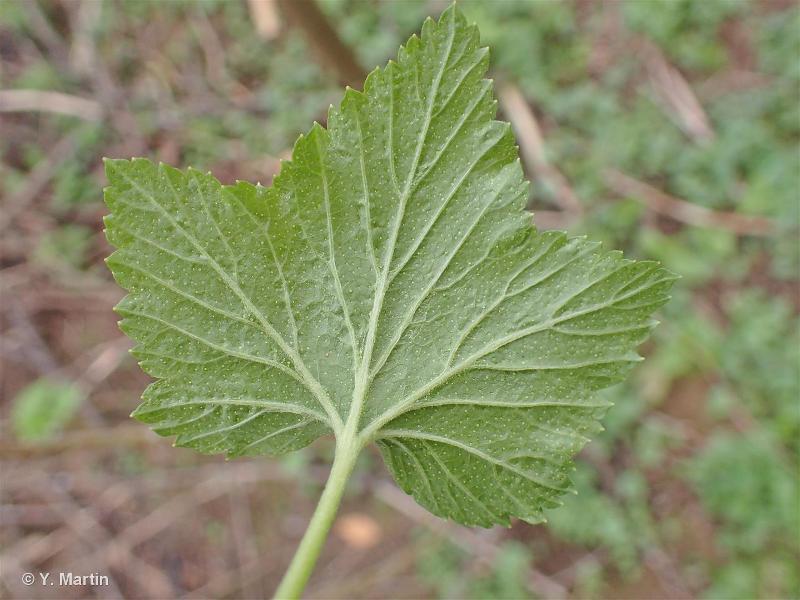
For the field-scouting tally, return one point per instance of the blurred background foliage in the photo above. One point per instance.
(669, 129)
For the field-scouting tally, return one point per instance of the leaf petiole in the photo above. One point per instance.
(294, 580)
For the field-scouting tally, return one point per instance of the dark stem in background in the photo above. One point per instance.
(328, 48)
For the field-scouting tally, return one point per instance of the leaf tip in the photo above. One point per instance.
(110, 166)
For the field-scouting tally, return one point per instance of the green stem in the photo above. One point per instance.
(296, 577)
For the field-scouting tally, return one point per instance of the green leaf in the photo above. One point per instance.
(388, 287)
(43, 408)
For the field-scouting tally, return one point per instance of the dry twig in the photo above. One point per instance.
(679, 101)
(51, 102)
(171, 511)
(265, 17)
(83, 23)
(83, 440)
(531, 143)
(687, 212)
(330, 50)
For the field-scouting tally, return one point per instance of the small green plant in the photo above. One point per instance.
(43, 408)
(389, 287)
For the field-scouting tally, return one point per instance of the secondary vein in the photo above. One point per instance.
(332, 255)
(307, 377)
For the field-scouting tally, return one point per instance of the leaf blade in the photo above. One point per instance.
(391, 280)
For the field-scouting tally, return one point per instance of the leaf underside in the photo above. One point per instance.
(389, 270)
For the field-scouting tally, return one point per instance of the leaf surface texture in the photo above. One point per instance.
(391, 273)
